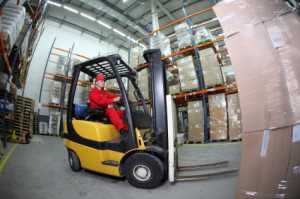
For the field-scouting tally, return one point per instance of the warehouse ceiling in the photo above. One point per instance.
(123, 22)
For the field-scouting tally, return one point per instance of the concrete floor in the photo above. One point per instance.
(40, 170)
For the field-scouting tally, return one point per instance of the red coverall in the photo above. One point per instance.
(102, 98)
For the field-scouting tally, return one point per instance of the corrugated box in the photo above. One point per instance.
(269, 164)
(187, 73)
(234, 117)
(268, 81)
(217, 117)
(195, 121)
(211, 68)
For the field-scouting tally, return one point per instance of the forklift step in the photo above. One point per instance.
(203, 166)
(187, 176)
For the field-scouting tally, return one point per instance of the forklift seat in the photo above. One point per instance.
(82, 112)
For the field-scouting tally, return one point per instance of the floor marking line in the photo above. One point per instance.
(7, 157)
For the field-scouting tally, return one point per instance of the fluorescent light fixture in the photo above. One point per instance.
(88, 16)
(54, 3)
(142, 45)
(118, 32)
(104, 24)
(131, 39)
(124, 1)
(70, 9)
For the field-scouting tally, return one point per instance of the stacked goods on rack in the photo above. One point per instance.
(195, 122)
(234, 117)
(144, 82)
(228, 75)
(173, 81)
(23, 121)
(55, 92)
(61, 65)
(136, 56)
(217, 117)
(160, 41)
(211, 68)
(12, 22)
(54, 123)
(269, 94)
(187, 73)
(183, 35)
(202, 35)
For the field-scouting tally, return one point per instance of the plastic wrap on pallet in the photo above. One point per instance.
(12, 22)
(195, 121)
(4, 78)
(136, 56)
(234, 117)
(61, 64)
(54, 122)
(55, 92)
(173, 81)
(217, 117)
(161, 42)
(183, 35)
(187, 73)
(202, 35)
(211, 68)
(228, 75)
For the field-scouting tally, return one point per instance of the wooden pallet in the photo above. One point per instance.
(192, 142)
(236, 140)
(221, 140)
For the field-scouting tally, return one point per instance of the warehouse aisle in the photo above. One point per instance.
(40, 170)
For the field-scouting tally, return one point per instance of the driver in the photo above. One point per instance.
(99, 97)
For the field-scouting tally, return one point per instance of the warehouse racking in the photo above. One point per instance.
(203, 92)
(62, 77)
(16, 57)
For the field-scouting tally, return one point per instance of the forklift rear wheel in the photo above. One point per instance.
(74, 161)
(144, 170)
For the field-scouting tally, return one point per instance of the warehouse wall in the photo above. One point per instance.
(85, 44)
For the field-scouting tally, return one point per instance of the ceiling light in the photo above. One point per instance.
(131, 39)
(118, 32)
(104, 24)
(54, 3)
(88, 16)
(70, 9)
(124, 1)
(142, 45)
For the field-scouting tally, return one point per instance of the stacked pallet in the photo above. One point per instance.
(23, 123)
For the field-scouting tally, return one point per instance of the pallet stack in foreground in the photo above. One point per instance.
(23, 122)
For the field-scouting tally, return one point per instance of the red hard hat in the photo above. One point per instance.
(100, 77)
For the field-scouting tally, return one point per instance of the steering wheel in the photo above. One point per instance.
(119, 104)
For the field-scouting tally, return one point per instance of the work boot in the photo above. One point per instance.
(124, 138)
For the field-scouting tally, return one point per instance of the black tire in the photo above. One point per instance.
(144, 170)
(74, 161)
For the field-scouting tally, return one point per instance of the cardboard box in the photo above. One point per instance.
(269, 164)
(217, 117)
(272, 53)
(187, 73)
(234, 117)
(211, 68)
(195, 121)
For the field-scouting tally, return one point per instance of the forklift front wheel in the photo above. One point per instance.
(144, 170)
(74, 161)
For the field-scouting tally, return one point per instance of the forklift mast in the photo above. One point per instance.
(158, 87)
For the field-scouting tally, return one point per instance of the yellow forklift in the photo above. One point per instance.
(93, 143)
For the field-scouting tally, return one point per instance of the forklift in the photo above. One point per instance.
(93, 143)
